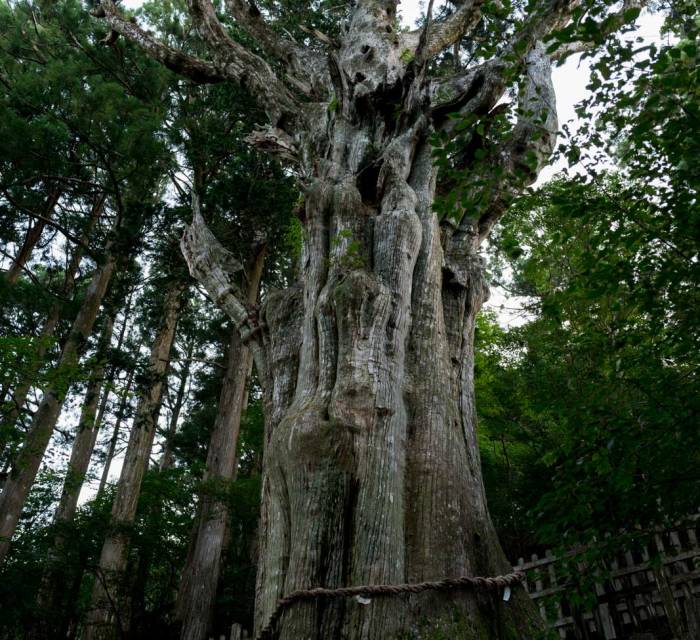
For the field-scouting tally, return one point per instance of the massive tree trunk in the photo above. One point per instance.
(200, 577)
(46, 416)
(108, 615)
(372, 470)
(371, 466)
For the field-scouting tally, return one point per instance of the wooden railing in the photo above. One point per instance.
(637, 599)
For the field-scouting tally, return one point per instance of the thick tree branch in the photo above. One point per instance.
(479, 88)
(214, 267)
(476, 91)
(571, 48)
(614, 22)
(540, 23)
(444, 33)
(50, 222)
(198, 70)
(249, 70)
(274, 141)
(532, 141)
(556, 14)
(300, 62)
(232, 61)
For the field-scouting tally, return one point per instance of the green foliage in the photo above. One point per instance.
(590, 408)
(594, 402)
(22, 575)
(468, 175)
(351, 254)
(407, 56)
(90, 120)
(647, 98)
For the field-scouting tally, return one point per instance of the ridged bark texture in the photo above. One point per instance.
(108, 616)
(371, 465)
(372, 468)
(200, 577)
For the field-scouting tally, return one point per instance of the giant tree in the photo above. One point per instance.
(372, 472)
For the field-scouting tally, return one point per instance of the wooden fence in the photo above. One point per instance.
(639, 600)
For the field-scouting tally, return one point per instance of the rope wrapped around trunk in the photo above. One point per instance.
(447, 584)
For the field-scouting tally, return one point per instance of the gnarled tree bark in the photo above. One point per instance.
(371, 465)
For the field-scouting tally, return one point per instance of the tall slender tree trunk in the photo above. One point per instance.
(51, 609)
(119, 418)
(44, 422)
(166, 459)
(90, 419)
(200, 577)
(33, 235)
(19, 396)
(109, 611)
(137, 607)
(86, 435)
